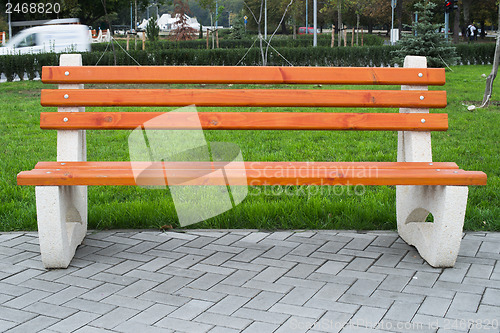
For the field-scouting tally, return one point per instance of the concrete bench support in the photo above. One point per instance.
(62, 210)
(438, 242)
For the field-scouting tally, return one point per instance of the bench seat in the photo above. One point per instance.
(251, 173)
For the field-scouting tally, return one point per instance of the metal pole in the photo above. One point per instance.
(307, 23)
(131, 17)
(315, 23)
(392, 22)
(265, 19)
(10, 26)
(135, 27)
(446, 25)
(416, 21)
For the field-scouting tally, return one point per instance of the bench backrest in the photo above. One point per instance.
(413, 121)
(247, 97)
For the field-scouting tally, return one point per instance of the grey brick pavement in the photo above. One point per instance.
(246, 281)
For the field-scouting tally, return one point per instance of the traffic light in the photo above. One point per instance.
(450, 5)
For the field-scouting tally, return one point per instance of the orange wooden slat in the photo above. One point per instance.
(247, 165)
(245, 121)
(242, 97)
(53, 177)
(238, 74)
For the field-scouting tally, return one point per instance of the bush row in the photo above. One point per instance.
(279, 41)
(476, 54)
(27, 64)
(12, 65)
(320, 56)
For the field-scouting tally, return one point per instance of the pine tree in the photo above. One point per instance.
(238, 30)
(428, 41)
(152, 30)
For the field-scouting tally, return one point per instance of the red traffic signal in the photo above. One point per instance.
(450, 5)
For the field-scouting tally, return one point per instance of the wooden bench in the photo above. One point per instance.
(423, 186)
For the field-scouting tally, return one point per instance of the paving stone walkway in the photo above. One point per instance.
(234, 281)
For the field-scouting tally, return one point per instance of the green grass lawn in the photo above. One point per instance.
(472, 142)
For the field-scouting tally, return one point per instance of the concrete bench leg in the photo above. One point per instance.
(62, 210)
(437, 242)
(62, 222)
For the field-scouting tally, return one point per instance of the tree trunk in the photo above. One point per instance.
(264, 56)
(345, 35)
(357, 29)
(135, 27)
(333, 36)
(496, 59)
(399, 13)
(111, 31)
(483, 32)
(294, 29)
(489, 80)
(211, 30)
(339, 21)
(284, 30)
(466, 5)
(456, 25)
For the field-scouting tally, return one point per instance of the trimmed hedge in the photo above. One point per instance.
(277, 42)
(476, 54)
(18, 65)
(27, 64)
(319, 56)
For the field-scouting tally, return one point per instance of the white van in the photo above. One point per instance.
(49, 38)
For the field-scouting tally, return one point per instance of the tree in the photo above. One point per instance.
(152, 30)
(3, 25)
(336, 7)
(91, 12)
(213, 8)
(496, 59)
(183, 30)
(428, 41)
(466, 7)
(456, 24)
(377, 12)
(238, 30)
(110, 28)
(484, 11)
